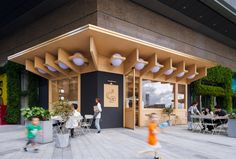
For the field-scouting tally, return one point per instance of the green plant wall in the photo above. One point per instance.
(218, 82)
(14, 92)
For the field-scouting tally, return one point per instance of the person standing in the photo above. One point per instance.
(192, 110)
(97, 114)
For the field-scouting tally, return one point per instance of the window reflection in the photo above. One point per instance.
(157, 94)
(181, 96)
(69, 87)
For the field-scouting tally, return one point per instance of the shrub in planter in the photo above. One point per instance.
(168, 110)
(231, 131)
(45, 122)
(64, 110)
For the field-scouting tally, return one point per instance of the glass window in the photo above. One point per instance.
(66, 89)
(181, 96)
(24, 81)
(157, 94)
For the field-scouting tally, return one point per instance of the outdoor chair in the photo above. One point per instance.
(221, 129)
(208, 122)
(79, 129)
(87, 123)
(196, 123)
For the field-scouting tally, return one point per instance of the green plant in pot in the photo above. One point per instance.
(63, 110)
(168, 110)
(44, 115)
(40, 112)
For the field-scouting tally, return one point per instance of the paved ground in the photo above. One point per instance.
(177, 143)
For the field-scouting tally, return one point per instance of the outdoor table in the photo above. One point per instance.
(199, 120)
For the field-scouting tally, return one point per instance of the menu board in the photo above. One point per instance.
(111, 95)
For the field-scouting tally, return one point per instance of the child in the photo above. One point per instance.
(32, 130)
(152, 135)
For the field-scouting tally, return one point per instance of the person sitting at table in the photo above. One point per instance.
(73, 122)
(192, 110)
(206, 111)
(218, 113)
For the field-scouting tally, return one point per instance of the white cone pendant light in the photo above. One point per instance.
(62, 65)
(116, 60)
(181, 74)
(41, 71)
(155, 69)
(140, 65)
(50, 68)
(169, 72)
(78, 59)
(191, 76)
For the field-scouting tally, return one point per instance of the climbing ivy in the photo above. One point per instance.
(14, 92)
(218, 82)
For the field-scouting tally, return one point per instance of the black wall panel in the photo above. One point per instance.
(92, 86)
(43, 92)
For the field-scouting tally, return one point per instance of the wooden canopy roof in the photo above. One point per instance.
(97, 45)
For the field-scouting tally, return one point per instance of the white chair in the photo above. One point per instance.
(79, 129)
(196, 123)
(88, 119)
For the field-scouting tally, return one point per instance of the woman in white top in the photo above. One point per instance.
(73, 120)
(97, 114)
(192, 110)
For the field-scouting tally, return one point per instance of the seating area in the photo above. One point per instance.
(83, 127)
(208, 124)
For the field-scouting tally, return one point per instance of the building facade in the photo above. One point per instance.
(132, 18)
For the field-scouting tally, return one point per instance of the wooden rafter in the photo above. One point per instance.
(167, 65)
(29, 66)
(39, 64)
(152, 61)
(63, 56)
(131, 60)
(191, 71)
(179, 69)
(50, 61)
(93, 52)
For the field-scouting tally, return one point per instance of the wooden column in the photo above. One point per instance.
(186, 97)
(49, 95)
(140, 107)
(176, 96)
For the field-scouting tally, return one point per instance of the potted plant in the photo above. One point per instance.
(64, 110)
(168, 111)
(231, 131)
(45, 122)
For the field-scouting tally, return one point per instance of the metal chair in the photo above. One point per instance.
(196, 122)
(222, 128)
(87, 123)
(79, 129)
(208, 122)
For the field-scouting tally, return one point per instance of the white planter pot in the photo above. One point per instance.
(231, 131)
(62, 140)
(47, 131)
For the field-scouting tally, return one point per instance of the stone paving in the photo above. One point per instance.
(177, 143)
